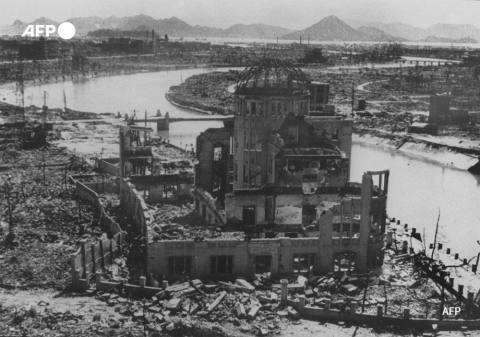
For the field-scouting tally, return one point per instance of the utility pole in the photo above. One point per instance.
(44, 107)
(436, 232)
(22, 89)
(365, 292)
(10, 218)
(353, 96)
(145, 132)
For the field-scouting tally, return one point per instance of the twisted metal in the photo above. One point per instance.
(274, 74)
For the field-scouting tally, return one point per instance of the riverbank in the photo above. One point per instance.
(438, 154)
(52, 75)
(205, 92)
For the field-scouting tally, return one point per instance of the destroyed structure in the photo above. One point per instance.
(279, 173)
(144, 170)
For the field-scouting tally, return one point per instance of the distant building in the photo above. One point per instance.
(441, 114)
(80, 62)
(41, 49)
(125, 45)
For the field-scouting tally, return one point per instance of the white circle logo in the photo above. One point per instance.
(66, 30)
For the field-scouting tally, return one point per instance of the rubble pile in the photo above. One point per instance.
(118, 271)
(111, 202)
(183, 223)
(191, 302)
(28, 321)
(44, 223)
(44, 320)
(255, 306)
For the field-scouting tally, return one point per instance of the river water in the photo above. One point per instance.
(418, 188)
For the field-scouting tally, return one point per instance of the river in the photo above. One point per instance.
(418, 188)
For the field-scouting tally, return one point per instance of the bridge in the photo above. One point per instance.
(163, 123)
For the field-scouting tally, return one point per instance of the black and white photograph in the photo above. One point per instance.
(239, 168)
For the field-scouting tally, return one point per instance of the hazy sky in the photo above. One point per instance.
(292, 14)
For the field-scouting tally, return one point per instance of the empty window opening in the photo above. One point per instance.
(263, 264)
(270, 164)
(273, 111)
(179, 265)
(303, 263)
(221, 265)
(260, 109)
(270, 208)
(249, 215)
(170, 192)
(217, 153)
(253, 108)
(344, 262)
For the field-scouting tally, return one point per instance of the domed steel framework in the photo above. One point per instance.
(272, 76)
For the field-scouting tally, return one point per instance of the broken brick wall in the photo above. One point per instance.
(92, 256)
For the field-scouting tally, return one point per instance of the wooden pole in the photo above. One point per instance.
(365, 293)
(443, 300)
(436, 232)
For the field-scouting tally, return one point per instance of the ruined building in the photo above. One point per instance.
(440, 112)
(41, 49)
(144, 170)
(281, 174)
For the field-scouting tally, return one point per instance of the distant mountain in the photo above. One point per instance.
(412, 33)
(449, 31)
(376, 34)
(330, 28)
(447, 40)
(172, 26)
(405, 31)
(259, 31)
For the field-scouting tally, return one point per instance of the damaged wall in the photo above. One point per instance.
(244, 256)
(213, 169)
(164, 187)
(208, 208)
(92, 256)
(134, 206)
(292, 209)
(338, 131)
(110, 166)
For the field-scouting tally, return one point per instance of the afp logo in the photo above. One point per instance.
(66, 30)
